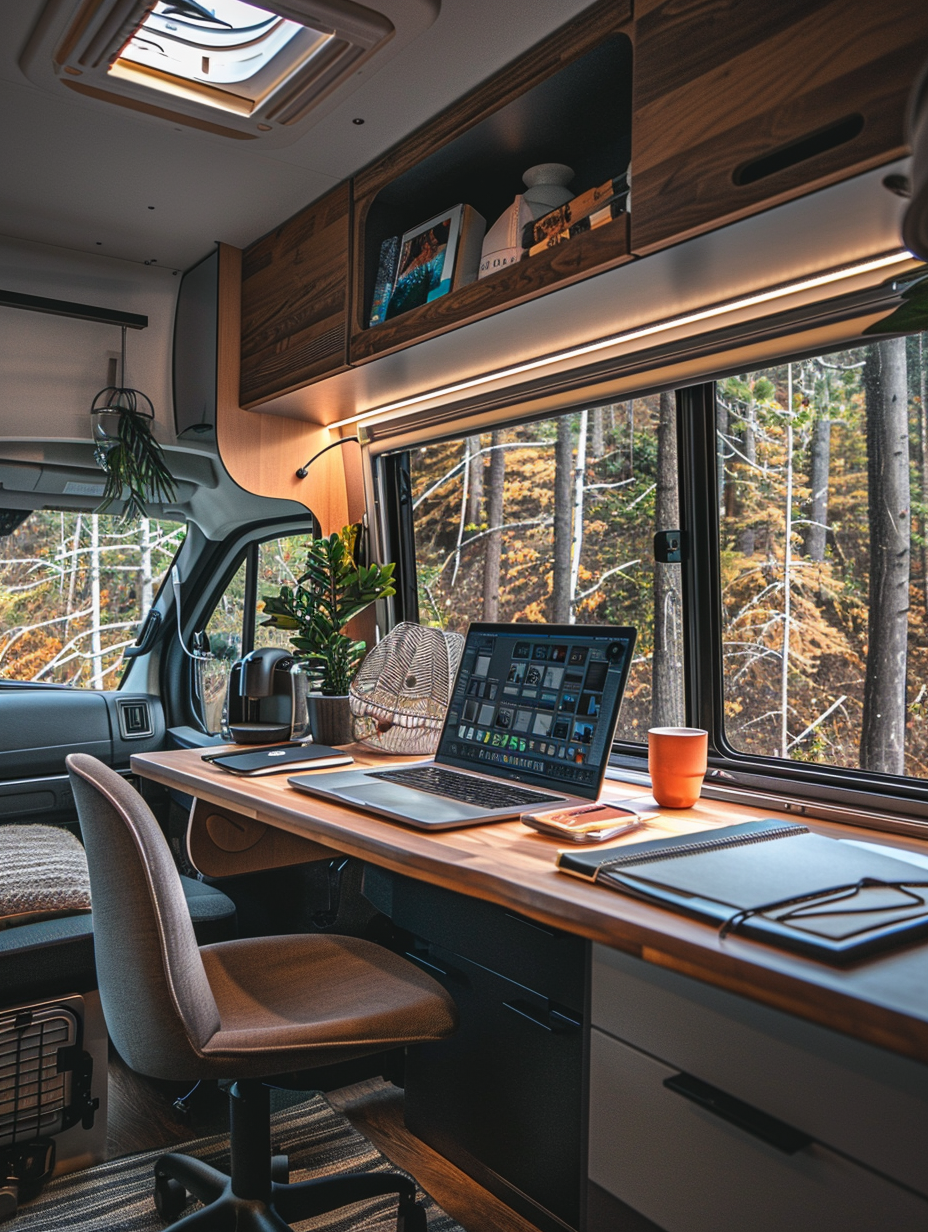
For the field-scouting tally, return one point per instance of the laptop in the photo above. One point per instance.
(530, 726)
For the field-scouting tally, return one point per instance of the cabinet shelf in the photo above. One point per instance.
(569, 101)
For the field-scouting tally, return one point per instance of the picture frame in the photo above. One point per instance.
(425, 267)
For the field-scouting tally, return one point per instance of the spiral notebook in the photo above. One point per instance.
(772, 881)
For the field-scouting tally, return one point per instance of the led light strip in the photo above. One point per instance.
(647, 331)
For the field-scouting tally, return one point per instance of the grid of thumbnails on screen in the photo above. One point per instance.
(538, 703)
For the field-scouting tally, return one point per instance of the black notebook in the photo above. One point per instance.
(772, 881)
(275, 758)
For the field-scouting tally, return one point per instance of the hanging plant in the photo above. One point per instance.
(121, 421)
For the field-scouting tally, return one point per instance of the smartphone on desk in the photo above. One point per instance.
(590, 823)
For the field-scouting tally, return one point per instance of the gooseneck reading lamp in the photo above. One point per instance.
(304, 469)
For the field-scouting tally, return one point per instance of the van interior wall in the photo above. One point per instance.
(53, 366)
(263, 452)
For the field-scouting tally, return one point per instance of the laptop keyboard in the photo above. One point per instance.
(464, 788)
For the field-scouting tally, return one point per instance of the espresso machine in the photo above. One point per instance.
(259, 698)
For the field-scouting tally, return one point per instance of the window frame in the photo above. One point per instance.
(891, 803)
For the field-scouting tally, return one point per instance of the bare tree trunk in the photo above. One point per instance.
(462, 520)
(816, 532)
(746, 537)
(72, 580)
(563, 467)
(474, 481)
(145, 577)
(721, 430)
(667, 708)
(597, 433)
(630, 418)
(787, 561)
(494, 541)
(579, 485)
(882, 737)
(96, 652)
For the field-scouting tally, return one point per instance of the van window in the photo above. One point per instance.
(73, 590)
(234, 627)
(555, 521)
(823, 512)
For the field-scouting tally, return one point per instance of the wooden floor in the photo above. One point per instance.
(141, 1118)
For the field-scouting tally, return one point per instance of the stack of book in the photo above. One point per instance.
(591, 209)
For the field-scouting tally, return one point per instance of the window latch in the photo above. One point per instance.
(668, 547)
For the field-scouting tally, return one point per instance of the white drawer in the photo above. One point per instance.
(690, 1171)
(870, 1104)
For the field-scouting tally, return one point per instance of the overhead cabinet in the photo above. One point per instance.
(741, 105)
(722, 108)
(295, 300)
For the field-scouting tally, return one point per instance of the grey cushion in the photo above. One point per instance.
(43, 874)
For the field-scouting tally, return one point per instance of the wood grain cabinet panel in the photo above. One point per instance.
(741, 104)
(295, 300)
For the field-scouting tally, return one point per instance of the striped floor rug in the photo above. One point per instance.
(117, 1196)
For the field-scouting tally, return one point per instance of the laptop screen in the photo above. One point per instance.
(538, 703)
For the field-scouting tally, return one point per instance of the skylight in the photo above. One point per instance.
(229, 54)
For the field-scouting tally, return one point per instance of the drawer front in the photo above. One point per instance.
(506, 1088)
(551, 962)
(688, 1170)
(858, 1099)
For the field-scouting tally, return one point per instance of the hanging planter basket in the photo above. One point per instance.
(120, 423)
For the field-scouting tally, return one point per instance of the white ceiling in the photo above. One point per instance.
(83, 174)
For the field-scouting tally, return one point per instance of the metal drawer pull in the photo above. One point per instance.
(775, 1133)
(555, 1021)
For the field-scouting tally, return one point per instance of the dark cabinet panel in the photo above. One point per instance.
(295, 300)
(504, 1097)
(741, 104)
(505, 1092)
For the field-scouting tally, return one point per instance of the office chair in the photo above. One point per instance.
(243, 1010)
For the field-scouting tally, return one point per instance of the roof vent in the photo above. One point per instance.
(229, 67)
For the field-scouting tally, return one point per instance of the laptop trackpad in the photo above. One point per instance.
(422, 805)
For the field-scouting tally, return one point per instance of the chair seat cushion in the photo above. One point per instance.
(43, 874)
(294, 1002)
(55, 956)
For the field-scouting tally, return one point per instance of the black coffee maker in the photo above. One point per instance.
(259, 698)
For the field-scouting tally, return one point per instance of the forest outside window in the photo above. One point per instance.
(74, 588)
(823, 498)
(554, 521)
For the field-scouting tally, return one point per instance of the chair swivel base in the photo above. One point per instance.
(250, 1200)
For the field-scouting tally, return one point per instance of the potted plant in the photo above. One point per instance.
(333, 589)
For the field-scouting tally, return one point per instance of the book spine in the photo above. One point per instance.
(561, 219)
(470, 244)
(590, 223)
(386, 271)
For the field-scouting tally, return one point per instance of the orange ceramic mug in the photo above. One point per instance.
(677, 764)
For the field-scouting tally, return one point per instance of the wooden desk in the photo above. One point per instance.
(883, 1001)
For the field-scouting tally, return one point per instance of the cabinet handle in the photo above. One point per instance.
(555, 1021)
(767, 1128)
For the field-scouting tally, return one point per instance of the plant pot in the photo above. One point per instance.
(330, 719)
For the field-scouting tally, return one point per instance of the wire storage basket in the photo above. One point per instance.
(401, 693)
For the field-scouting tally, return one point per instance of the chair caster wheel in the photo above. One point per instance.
(280, 1169)
(170, 1198)
(412, 1219)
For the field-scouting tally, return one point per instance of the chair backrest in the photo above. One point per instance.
(156, 998)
